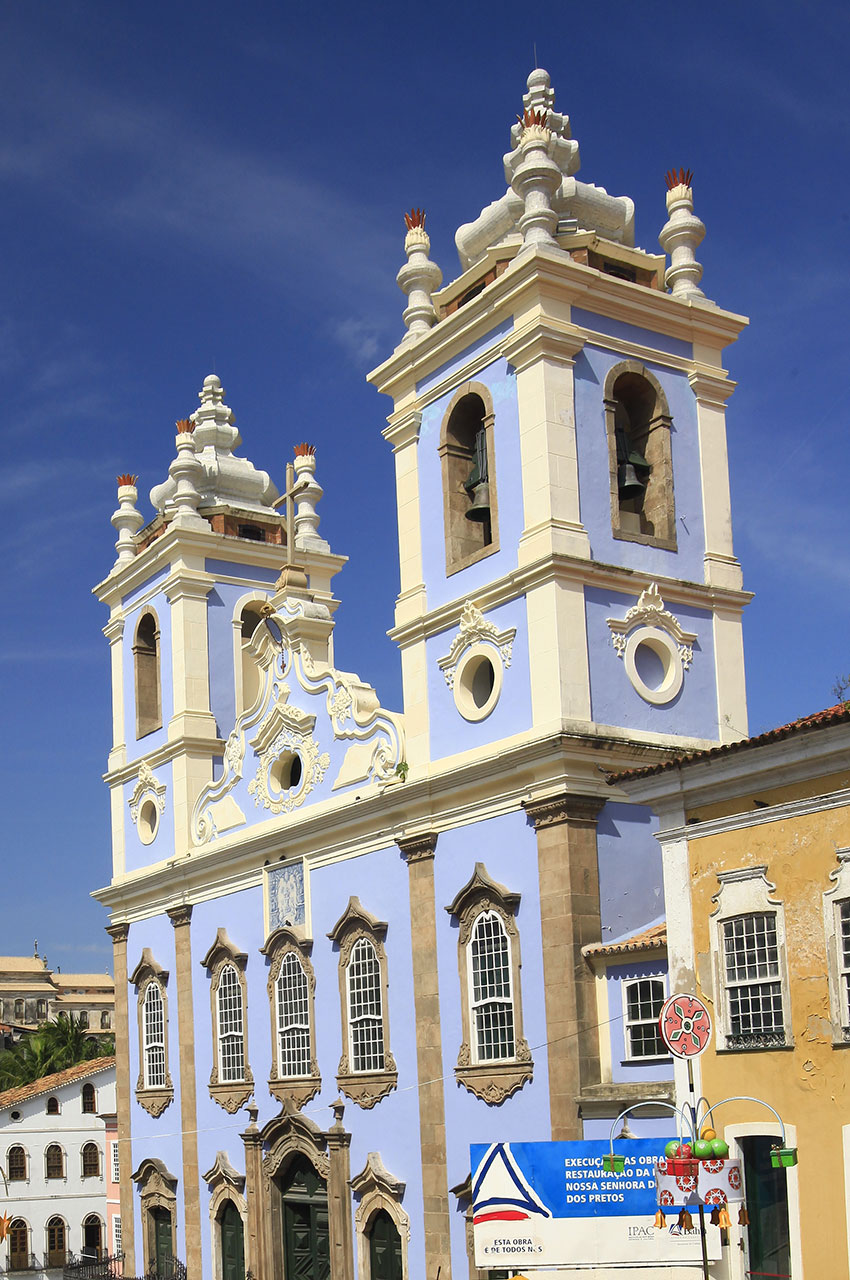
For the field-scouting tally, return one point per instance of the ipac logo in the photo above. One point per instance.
(641, 1233)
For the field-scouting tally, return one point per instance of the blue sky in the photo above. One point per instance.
(193, 187)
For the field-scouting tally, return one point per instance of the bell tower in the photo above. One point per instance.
(558, 424)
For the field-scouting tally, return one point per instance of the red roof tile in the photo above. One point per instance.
(48, 1083)
(839, 714)
(648, 940)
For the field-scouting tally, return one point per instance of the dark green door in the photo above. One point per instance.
(232, 1243)
(162, 1244)
(768, 1245)
(384, 1248)
(306, 1236)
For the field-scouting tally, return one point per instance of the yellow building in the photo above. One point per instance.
(756, 849)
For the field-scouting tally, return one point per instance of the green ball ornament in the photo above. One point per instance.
(702, 1150)
(672, 1149)
(719, 1148)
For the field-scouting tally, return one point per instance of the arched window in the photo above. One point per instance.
(105, 1020)
(291, 986)
(92, 1237)
(385, 1258)
(367, 1069)
(17, 1164)
(41, 1009)
(494, 1059)
(89, 1099)
(469, 480)
(56, 1246)
(84, 1019)
(153, 1015)
(91, 1160)
(382, 1228)
(231, 1081)
(154, 1090)
(53, 1106)
(491, 994)
(146, 660)
(54, 1161)
(19, 1246)
(19, 1010)
(640, 456)
(249, 673)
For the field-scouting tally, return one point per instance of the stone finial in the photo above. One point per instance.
(127, 520)
(214, 422)
(535, 178)
(307, 491)
(680, 236)
(540, 98)
(418, 278)
(186, 472)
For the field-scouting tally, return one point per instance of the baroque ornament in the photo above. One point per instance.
(475, 629)
(650, 612)
(147, 784)
(314, 765)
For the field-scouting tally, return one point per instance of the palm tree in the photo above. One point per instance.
(56, 1046)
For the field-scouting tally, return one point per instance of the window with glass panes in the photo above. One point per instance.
(116, 1236)
(492, 1004)
(642, 1001)
(153, 1023)
(231, 1037)
(91, 1160)
(116, 1162)
(55, 1242)
(54, 1162)
(844, 957)
(752, 979)
(365, 1015)
(293, 1018)
(17, 1164)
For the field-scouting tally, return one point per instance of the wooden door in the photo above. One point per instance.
(232, 1243)
(306, 1230)
(384, 1248)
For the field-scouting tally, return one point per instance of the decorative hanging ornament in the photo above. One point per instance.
(686, 1222)
(685, 1026)
(660, 1220)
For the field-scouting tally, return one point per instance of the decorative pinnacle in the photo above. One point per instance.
(416, 218)
(126, 520)
(126, 479)
(185, 426)
(419, 277)
(305, 450)
(683, 178)
(531, 117)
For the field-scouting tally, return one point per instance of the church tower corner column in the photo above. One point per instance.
(181, 918)
(339, 1197)
(568, 872)
(119, 934)
(255, 1254)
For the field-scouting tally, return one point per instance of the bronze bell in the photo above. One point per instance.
(629, 484)
(479, 508)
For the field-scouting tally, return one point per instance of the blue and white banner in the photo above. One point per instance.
(551, 1204)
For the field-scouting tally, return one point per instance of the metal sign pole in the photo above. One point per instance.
(693, 1106)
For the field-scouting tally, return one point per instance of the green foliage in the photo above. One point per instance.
(55, 1046)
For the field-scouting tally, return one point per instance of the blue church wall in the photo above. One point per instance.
(598, 1128)
(162, 609)
(500, 381)
(508, 848)
(614, 701)
(136, 854)
(157, 1138)
(631, 895)
(450, 732)
(623, 1069)
(223, 602)
(631, 333)
(591, 369)
(129, 601)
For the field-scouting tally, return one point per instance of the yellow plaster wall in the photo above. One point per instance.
(771, 795)
(808, 1085)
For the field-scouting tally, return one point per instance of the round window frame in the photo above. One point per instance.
(665, 648)
(462, 690)
(276, 792)
(148, 835)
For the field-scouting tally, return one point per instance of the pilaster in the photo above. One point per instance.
(570, 918)
(712, 391)
(114, 632)
(119, 934)
(339, 1196)
(187, 589)
(255, 1252)
(418, 852)
(181, 917)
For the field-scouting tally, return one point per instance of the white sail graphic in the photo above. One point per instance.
(500, 1190)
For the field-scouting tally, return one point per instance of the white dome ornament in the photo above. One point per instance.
(535, 179)
(127, 520)
(418, 278)
(186, 472)
(680, 236)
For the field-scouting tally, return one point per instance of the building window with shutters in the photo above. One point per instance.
(54, 1162)
(291, 991)
(231, 1081)
(367, 1070)
(16, 1164)
(19, 1246)
(91, 1160)
(154, 1089)
(89, 1100)
(56, 1243)
(494, 1059)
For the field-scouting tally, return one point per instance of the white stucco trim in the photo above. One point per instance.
(758, 817)
(845, 1142)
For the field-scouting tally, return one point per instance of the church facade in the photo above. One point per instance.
(350, 941)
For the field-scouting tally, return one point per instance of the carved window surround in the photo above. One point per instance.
(493, 1080)
(225, 1183)
(230, 1094)
(147, 803)
(147, 972)
(157, 1190)
(476, 639)
(455, 461)
(282, 942)
(378, 1189)
(836, 906)
(649, 626)
(366, 1088)
(659, 504)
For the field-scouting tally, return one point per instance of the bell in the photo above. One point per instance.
(479, 508)
(629, 485)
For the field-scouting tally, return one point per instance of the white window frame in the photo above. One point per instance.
(743, 892)
(835, 902)
(292, 973)
(230, 1025)
(115, 1153)
(625, 983)
(150, 1043)
(477, 1007)
(116, 1234)
(373, 1020)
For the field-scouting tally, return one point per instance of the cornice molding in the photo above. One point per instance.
(579, 810)
(118, 932)
(756, 818)
(181, 915)
(420, 848)
(542, 340)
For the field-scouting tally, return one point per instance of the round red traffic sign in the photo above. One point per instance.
(685, 1026)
